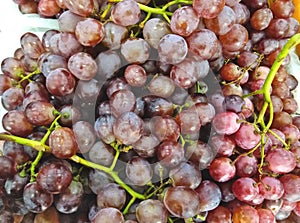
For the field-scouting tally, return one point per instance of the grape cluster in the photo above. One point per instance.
(152, 111)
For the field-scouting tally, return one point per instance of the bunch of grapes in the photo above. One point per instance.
(139, 111)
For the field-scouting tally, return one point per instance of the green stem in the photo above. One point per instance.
(160, 11)
(112, 173)
(116, 157)
(292, 42)
(27, 142)
(132, 200)
(51, 128)
(34, 164)
(28, 76)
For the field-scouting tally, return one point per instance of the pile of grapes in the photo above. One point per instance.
(158, 111)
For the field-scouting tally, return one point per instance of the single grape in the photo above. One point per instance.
(135, 50)
(203, 43)
(84, 135)
(36, 199)
(135, 75)
(40, 113)
(185, 174)
(184, 21)
(209, 194)
(138, 171)
(166, 49)
(170, 153)
(16, 123)
(82, 66)
(69, 200)
(112, 195)
(226, 123)
(62, 142)
(114, 35)
(12, 98)
(89, 32)
(182, 202)
(221, 169)
(246, 136)
(108, 215)
(126, 13)
(104, 128)
(209, 9)
(151, 211)
(81, 7)
(245, 213)
(219, 215)
(245, 189)
(128, 128)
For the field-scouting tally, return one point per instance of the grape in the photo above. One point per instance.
(242, 13)
(108, 62)
(8, 166)
(189, 121)
(5, 83)
(36, 199)
(151, 211)
(209, 194)
(203, 43)
(89, 31)
(146, 145)
(16, 123)
(222, 145)
(48, 62)
(291, 187)
(184, 21)
(40, 113)
(282, 8)
(170, 153)
(108, 215)
(69, 200)
(167, 46)
(84, 135)
(185, 174)
(246, 166)
(68, 20)
(265, 215)
(128, 128)
(219, 215)
(82, 66)
(126, 13)
(209, 9)
(245, 213)
(111, 195)
(186, 73)
(16, 152)
(291, 132)
(246, 137)
(64, 44)
(226, 123)
(48, 8)
(161, 86)
(281, 160)
(200, 153)
(31, 45)
(98, 180)
(135, 50)
(122, 101)
(62, 142)
(221, 169)
(182, 202)
(135, 75)
(82, 8)
(54, 177)
(165, 128)
(104, 128)
(139, 171)
(261, 18)
(101, 153)
(12, 68)
(114, 35)
(223, 22)
(235, 39)
(154, 29)
(12, 98)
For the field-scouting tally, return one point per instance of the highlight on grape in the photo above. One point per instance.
(140, 111)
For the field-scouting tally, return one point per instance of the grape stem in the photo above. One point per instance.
(266, 92)
(161, 11)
